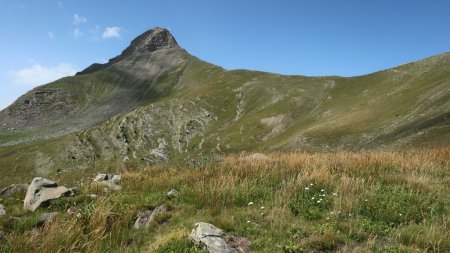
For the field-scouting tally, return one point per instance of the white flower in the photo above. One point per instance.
(306, 188)
(250, 203)
(335, 194)
(248, 221)
(262, 207)
(328, 218)
(312, 198)
(311, 184)
(322, 190)
(262, 214)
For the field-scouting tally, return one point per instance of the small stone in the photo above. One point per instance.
(174, 193)
(13, 189)
(93, 196)
(147, 217)
(47, 218)
(2, 210)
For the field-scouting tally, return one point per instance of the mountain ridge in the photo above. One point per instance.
(157, 103)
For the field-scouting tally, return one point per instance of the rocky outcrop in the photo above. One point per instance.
(212, 237)
(42, 190)
(13, 189)
(147, 217)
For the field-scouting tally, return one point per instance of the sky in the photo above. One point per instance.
(41, 41)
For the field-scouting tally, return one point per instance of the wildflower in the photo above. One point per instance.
(328, 218)
(250, 203)
(401, 214)
(365, 200)
(312, 198)
(349, 214)
(320, 199)
(311, 184)
(262, 207)
(306, 188)
(322, 190)
(262, 214)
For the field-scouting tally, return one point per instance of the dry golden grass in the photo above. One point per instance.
(220, 193)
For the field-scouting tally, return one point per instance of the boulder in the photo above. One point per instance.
(256, 157)
(212, 237)
(42, 190)
(174, 193)
(2, 210)
(147, 217)
(111, 181)
(13, 189)
(47, 218)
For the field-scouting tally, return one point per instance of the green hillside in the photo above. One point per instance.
(157, 103)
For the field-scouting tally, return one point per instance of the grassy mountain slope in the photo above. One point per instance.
(165, 105)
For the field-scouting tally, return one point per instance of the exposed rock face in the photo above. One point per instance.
(211, 237)
(13, 189)
(150, 41)
(147, 217)
(40, 191)
(2, 210)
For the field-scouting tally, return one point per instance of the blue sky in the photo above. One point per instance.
(44, 40)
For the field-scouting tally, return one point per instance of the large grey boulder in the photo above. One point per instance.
(13, 189)
(42, 190)
(147, 217)
(2, 210)
(211, 237)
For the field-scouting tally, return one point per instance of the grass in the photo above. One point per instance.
(374, 201)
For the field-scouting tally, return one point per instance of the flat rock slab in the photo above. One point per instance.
(40, 191)
(212, 237)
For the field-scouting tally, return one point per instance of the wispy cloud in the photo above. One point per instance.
(38, 74)
(111, 32)
(51, 35)
(77, 33)
(77, 19)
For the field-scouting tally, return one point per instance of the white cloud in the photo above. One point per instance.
(79, 19)
(77, 33)
(38, 74)
(51, 35)
(111, 32)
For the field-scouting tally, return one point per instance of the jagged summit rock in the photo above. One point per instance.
(150, 41)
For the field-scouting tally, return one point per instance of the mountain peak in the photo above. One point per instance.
(152, 40)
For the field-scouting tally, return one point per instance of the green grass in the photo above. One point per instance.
(283, 217)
